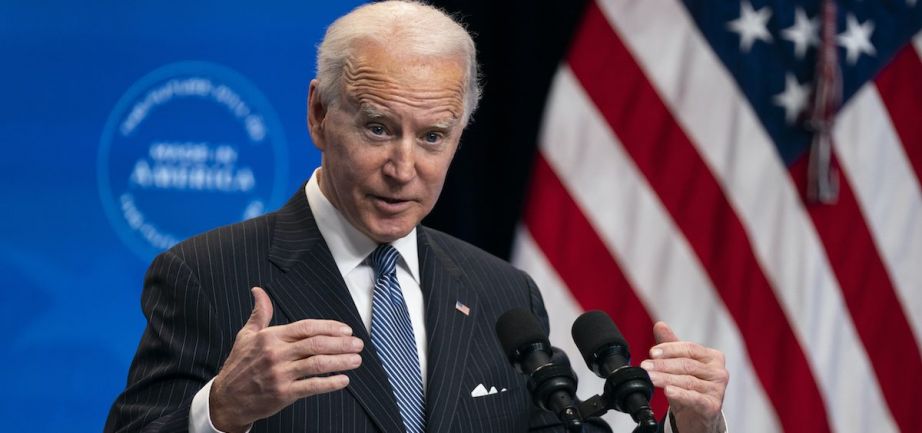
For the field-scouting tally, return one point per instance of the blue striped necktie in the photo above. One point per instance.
(392, 336)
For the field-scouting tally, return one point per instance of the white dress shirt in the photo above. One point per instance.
(350, 249)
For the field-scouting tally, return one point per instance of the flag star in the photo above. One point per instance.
(793, 99)
(751, 25)
(857, 39)
(804, 33)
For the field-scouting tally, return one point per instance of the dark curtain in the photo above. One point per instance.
(520, 44)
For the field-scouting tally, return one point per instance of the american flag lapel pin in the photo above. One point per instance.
(464, 309)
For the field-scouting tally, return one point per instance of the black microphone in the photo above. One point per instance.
(627, 389)
(551, 382)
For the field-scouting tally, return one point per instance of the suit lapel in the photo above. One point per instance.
(449, 331)
(311, 287)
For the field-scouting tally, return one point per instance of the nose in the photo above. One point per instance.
(401, 165)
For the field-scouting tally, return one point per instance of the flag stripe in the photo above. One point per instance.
(694, 199)
(877, 314)
(889, 194)
(582, 261)
(563, 309)
(707, 103)
(900, 87)
(654, 256)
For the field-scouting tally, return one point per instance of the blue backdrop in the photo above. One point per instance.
(126, 125)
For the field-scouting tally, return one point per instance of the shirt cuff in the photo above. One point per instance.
(722, 428)
(200, 414)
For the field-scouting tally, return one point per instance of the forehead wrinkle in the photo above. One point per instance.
(365, 84)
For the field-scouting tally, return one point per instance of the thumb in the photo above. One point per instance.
(663, 333)
(262, 310)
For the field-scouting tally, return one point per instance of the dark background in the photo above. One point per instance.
(520, 44)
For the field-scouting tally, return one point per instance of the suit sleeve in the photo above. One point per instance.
(179, 352)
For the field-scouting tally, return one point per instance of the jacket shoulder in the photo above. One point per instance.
(253, 235)
(468, 256)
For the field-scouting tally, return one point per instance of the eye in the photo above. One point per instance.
(377, 130)
(432, 137)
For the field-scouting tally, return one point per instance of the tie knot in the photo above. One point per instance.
(384, 259)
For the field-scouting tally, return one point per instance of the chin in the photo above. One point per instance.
(390, 233)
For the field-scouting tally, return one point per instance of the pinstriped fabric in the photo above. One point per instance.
(196, 298)
(392, 337)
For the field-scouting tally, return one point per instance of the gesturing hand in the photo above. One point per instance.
(694, 378)
(270, 367)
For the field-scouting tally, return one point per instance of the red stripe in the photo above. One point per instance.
(870, 297)
(585, 265)
(696, 202)
(901, 91)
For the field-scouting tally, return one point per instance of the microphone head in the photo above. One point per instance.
(593, 331)
(517, 328)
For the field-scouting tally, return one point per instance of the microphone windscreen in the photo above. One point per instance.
(594, 330)
(517, 328)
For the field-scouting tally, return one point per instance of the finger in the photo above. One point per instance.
(325, 345)
(318, 385)
(262, 311)
(687, 366)
(683, 349)
(684, 381)
(702, 404)
(663, 333)
(323, 364)
(311, 327)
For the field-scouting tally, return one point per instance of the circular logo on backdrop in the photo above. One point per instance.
(189, 147)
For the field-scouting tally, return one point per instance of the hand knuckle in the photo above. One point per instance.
(712, 406)
(307, 327)
(723, 376)
(278, 392)
(272, 355)
(323, 363)
(277, 375)
(311, 345)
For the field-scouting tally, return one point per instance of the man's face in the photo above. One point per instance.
(388, 142)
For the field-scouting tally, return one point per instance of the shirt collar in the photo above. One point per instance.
(347, 244)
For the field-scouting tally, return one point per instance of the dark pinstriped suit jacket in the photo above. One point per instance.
(197, 296)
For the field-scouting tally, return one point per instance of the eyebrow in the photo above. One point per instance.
(371, 112)
(446, 124)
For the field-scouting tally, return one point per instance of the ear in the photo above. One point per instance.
(316, 112)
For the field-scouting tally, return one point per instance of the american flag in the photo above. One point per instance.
(681, 177)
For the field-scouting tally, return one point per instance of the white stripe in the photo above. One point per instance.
(562, 311)
(654, 256)
(705, 101)
(886, 188)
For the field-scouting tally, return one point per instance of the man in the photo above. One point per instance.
(340, 312)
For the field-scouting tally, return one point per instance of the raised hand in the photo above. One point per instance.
(694, 379)
(270, 367)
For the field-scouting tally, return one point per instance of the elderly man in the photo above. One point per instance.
(339, 312)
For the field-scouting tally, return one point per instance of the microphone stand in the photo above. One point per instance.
(628, 390)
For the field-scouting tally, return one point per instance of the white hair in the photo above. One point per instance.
(415, 27)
